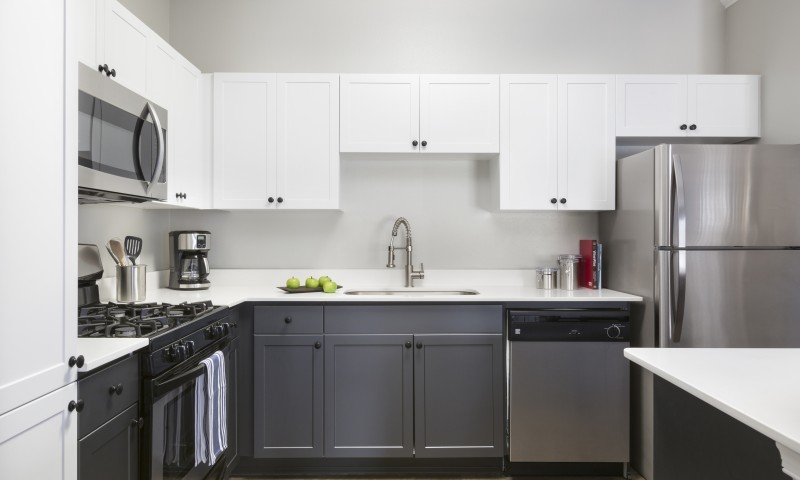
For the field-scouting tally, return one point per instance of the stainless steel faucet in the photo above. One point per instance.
(411, 274)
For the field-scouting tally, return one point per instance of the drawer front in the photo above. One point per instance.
(416, 319)
(281, 320)
(100, 404)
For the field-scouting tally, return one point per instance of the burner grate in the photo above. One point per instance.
(136, 320)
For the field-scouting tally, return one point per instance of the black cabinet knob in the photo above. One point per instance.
(74, 406)
(414, 143)
(424, 143)
(271, 200)
(317, 345)
(103, 68)
(178, 196)
(563, 201)
(683, 127)
(111, 73)
(419, 345)
(553, 201)
(692, 127)
(76, 361)
(115, 389)
(408, 344)
(280, 199)
(288, 319)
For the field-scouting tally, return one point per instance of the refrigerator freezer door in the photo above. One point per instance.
(733, 195)
(733, 298)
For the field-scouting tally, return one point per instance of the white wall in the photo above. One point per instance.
(762, 37)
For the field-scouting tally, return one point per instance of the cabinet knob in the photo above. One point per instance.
(419, 345)
(408, 344)
(553, 201)
(111, 73)
(683, 127)
(317, 345)
(74, 406)
(563, 201)
(288, 319)
(137, 422)
(102, 68)
(280, 199)
(414, 143)
(271, 200)
(692, 127)
(115, 389)
(76, 361)
(424, 143)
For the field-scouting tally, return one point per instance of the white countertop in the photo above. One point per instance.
(760, 387)
(100, 351)
(231, 287)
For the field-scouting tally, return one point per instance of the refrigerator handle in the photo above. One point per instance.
(679, 202)
(676, 317)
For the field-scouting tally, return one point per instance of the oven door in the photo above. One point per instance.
(168, 450)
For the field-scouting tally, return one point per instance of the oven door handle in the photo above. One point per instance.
(160, 388)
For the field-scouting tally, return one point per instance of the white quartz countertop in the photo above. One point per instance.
(100, 351)
(760, 387)
(231, 287)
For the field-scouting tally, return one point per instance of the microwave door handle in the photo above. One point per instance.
(161, 148)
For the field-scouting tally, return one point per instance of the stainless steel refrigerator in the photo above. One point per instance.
(709, 236)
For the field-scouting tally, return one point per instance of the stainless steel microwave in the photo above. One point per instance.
(122, 142)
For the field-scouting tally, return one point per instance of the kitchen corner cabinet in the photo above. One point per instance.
(40, 439)
(557, 133)
(715, 106)
(288, 382)
(420, 113)
(276, 141)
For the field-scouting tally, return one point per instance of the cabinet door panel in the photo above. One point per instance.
(458, 386)
(308, 141)
(287, 396)
(529, 135)
(189, 170)
(112, 451)
(379, 113)
(586, 142)
(244, 140)
(651, 105)
(86, 31)
(161, 67)
(125, 46)
(724, 105)
(368, 396)
(460, 113)
(40, 438)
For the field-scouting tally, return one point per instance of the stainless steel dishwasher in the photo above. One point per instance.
(568, 385)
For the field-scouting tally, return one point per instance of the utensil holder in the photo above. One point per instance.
(131, 283)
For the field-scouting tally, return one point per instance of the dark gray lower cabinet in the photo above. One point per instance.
(287, 396)
(369, 396)
(458, 389)
(111, 451)
(232, 453)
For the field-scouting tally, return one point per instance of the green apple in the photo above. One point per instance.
(324, 279)
(329, 287)
(312, 282)
(293, 282)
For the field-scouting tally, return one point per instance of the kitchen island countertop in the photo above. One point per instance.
(757, 386)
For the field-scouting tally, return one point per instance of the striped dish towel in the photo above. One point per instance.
(211, 411)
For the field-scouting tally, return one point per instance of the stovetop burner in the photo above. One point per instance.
(114, 320)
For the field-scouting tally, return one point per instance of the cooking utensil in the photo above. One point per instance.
(115, 247)
(133, 247)
(111, 252)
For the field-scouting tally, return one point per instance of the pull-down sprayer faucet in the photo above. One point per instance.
(411, 274)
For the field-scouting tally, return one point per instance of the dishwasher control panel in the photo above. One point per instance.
(568, 326)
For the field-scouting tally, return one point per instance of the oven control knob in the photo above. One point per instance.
(190, 347)
(613, 331)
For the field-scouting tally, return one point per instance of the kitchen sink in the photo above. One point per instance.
(411, 292)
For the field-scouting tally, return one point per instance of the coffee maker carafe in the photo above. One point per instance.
(188, 260)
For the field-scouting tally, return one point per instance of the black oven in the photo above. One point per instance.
(122, 142)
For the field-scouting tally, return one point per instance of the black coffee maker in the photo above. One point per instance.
(188, 260)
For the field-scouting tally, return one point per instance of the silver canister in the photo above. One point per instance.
(569, 271)
(131, 283)
(546, 278)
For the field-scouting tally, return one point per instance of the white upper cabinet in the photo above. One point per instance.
(528, 162)
(161, 72)
(307, 141)
(586, 143)
(688, 106)
(87, 23)
(420, 113)
(123, 46)
(276, 141)
(557, 142)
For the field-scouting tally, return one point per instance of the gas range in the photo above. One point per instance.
(175, 331)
